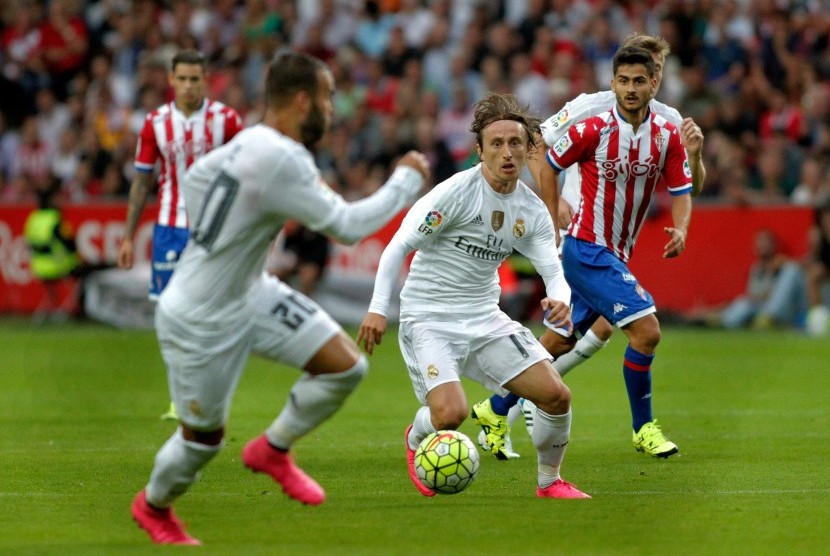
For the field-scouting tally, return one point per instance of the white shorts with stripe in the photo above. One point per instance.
(492, 350)
(205, 363)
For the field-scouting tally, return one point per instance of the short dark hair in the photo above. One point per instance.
(630, 55)
(291, 72)
(188, 56)
(501, 106)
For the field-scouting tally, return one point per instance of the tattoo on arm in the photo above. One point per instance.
(139, 191)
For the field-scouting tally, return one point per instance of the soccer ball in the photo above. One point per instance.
(446, 462)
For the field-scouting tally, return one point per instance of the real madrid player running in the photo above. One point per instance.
(220, 305)
(577, 349)
(450, 321)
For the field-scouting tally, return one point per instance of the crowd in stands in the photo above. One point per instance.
(79, 76)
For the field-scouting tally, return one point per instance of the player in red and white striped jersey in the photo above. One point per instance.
(174, 135)
(623, 154)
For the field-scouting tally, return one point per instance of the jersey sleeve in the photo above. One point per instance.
(667, 112)
(577, 145)
(676, 171)
(146, 150)
(582, 107)
(233, 124)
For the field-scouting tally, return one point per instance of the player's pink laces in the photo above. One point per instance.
(162, 525)
(410, 464)
(259, 456)
(560, 489)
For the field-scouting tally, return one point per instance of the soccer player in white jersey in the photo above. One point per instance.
(450, 321)
(220, 305)
(174, 135)
(583, 346)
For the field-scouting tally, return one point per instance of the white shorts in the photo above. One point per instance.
(204, 364)
(492, 350)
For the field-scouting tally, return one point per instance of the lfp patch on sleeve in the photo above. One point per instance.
(562, 146)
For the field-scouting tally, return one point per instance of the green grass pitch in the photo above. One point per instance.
(80, 406)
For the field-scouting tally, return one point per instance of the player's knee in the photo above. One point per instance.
(449, 416)
(555, 400)
(603, 329)
(354, 375)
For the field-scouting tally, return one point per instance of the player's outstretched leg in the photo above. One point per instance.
(261, 457)
(161, 524)
(410, 465)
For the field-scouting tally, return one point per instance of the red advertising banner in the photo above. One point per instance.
(713, 269)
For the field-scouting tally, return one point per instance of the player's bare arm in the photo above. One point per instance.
(549, 192)
(692, 137)
(371, 331)
(139, 191)
(681, 216)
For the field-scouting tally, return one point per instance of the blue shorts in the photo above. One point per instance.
(168, 244)
(601, 285)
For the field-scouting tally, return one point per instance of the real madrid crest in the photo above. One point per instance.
(497, 220)
(519, 228)
(432, 372)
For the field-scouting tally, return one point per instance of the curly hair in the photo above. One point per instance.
(500, 106)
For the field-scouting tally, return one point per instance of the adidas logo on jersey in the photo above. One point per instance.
(478, 221)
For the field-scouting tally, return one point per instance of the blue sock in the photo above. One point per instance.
(501, 405)
(637, 374)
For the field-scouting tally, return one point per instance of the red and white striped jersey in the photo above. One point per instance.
(620, 170)
(176, 141)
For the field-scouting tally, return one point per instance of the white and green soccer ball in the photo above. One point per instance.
(446, 462)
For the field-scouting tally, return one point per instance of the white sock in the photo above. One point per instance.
(313, 399)
(550, 436)
(512, 414)
(421, 427)
(177, 467)
(585, 347)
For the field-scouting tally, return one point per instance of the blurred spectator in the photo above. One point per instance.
(52, 116)
(813, 189)
(440, 159)
(454, 122)
(22, 64)
(372, 32)
(818, 273)
(774, 292)
(32, 162)
(64, 43)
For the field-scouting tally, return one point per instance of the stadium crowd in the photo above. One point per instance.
(79, 76)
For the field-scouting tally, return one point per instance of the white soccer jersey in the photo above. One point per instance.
(238, 198)
(582, 107)
(462, 231)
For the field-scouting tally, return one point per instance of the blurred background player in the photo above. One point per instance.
(220, 305)
(54, 258)
(303, 255)
(450, 321)
(175, 135)
(562, 210)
